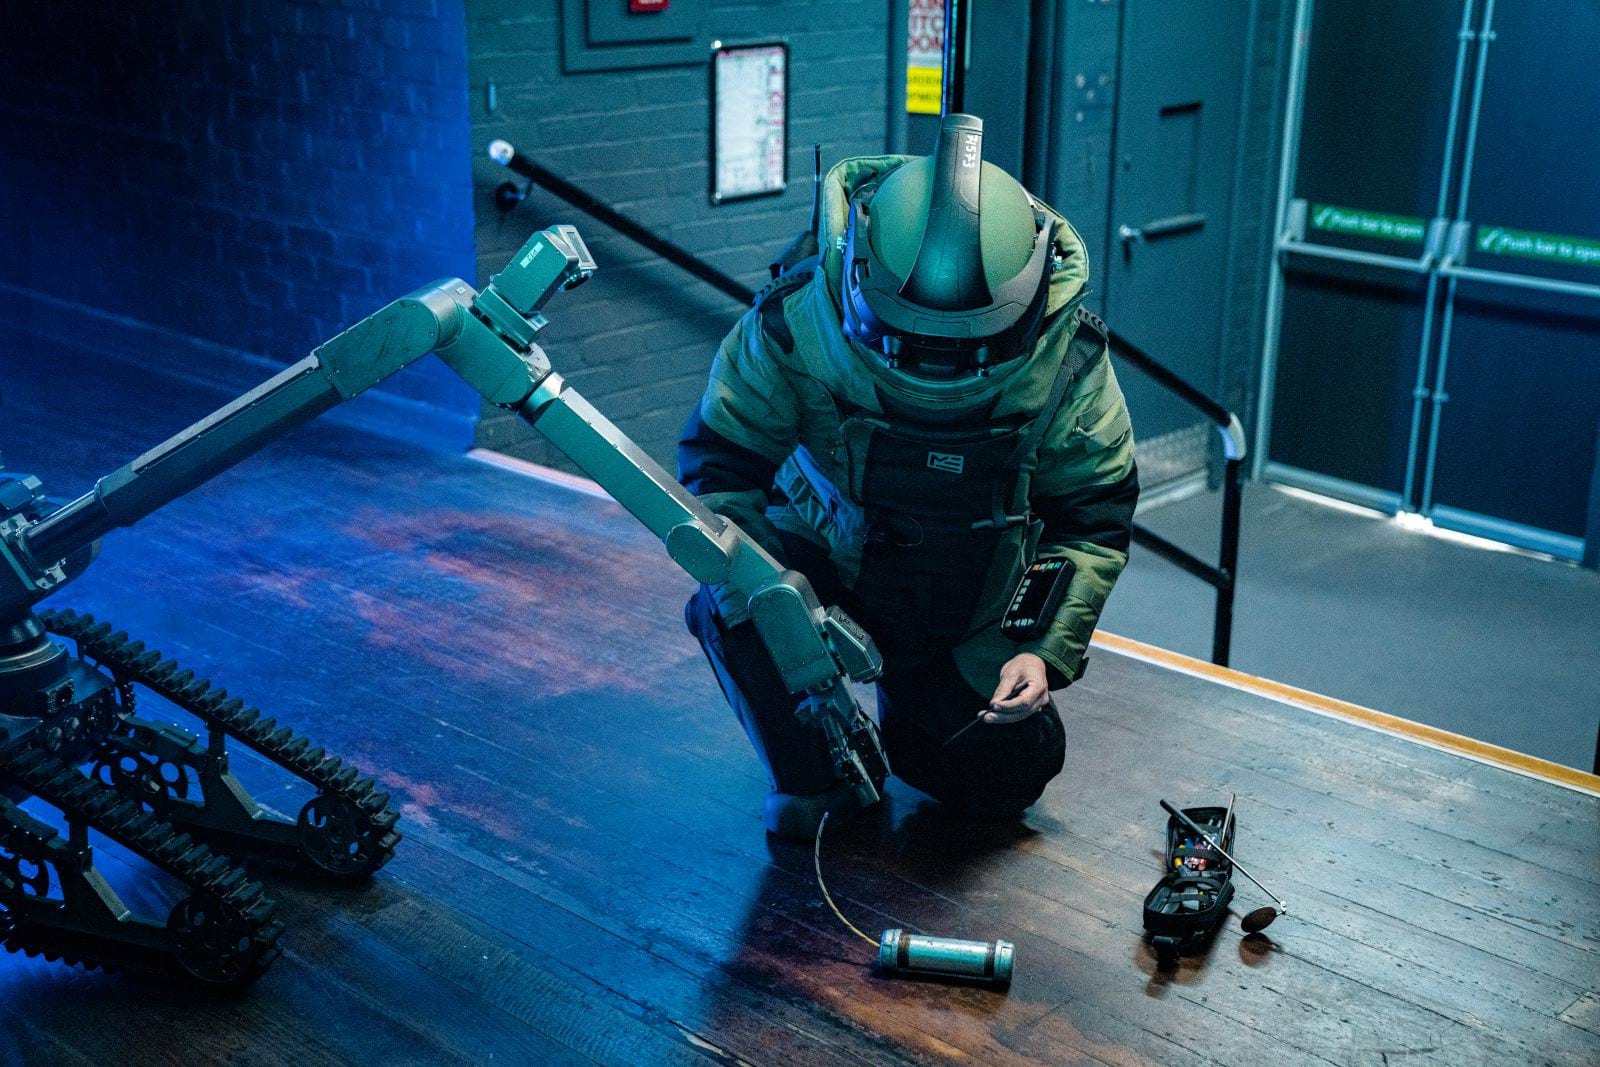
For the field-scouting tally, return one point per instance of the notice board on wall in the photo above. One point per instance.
(749, 121)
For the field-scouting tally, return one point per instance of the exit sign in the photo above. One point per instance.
(646, 7)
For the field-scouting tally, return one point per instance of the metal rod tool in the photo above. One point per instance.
(1259, 919)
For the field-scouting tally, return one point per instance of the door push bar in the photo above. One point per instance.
(1444, 251)
(1451, 266)
(1293, 240)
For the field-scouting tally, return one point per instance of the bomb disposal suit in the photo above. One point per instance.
(910, 419)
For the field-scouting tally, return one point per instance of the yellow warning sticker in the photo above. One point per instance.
(924, 90)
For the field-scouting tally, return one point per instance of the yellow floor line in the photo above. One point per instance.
(1305, 699)
(1394, 725)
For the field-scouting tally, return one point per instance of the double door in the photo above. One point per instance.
(1434, 337)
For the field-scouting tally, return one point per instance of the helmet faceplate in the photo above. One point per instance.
(963, 306)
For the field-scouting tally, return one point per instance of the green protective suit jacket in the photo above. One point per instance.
(783, 377)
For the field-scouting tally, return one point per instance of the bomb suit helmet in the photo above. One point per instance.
(947, 263)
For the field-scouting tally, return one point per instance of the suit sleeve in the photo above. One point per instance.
(1084, 491)
(744, 427)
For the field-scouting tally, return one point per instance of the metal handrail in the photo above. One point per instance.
(1222, 577)
(508, 196)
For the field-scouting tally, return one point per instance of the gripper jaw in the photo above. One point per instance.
(812, 646)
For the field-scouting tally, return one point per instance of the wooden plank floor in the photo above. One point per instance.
(585, 877)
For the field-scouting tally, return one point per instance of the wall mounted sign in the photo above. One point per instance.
(1358, 223)
(1553, 247)
(749, 120)
(925, 58)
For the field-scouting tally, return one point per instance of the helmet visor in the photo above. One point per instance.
(940, 342)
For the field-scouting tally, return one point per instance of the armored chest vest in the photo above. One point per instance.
(929, 493)
(946, 508)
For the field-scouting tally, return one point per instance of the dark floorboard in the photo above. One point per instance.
(585, 878)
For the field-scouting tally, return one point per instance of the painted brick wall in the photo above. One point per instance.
(638, 339)
(251, 174)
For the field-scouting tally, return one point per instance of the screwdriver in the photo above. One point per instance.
(1020, 686)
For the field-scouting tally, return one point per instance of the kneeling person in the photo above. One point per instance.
(909, 420)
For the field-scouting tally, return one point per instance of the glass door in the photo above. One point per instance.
(1434, 334)
(1374, 141)
(1516, 389)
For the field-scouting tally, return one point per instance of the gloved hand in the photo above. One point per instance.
(1023, 690)
(747, 510)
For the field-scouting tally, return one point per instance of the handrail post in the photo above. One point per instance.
(1222, 624)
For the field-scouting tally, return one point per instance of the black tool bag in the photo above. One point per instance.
(1189, 904)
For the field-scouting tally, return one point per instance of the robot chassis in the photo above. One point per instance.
(169, 796)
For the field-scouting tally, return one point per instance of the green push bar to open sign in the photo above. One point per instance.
(1358, 223)
(1551, 247)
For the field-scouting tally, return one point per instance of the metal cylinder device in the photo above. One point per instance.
(903, 953)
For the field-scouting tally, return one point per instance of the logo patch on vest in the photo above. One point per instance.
(950, 462)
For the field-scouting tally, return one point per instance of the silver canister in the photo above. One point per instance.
(913, 954)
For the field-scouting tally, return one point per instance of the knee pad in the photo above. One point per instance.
(1000, 773)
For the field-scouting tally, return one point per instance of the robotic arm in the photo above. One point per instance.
(488, 339)
(817, 651)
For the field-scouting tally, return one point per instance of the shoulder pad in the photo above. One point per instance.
(1088, 344)
(769, 302)
(1093, 321)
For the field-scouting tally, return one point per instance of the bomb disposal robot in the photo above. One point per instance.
(168, 795)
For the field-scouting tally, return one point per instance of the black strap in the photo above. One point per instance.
(1086, 346)
(769, 301)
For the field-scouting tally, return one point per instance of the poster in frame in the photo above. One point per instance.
(749, 120)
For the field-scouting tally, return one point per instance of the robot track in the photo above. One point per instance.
(222, 933)
(346, 831)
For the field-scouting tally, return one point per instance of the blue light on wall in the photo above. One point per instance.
(250, 176)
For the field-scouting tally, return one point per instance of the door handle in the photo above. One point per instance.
(1170, 226)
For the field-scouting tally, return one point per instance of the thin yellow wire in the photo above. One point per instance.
(816, 859)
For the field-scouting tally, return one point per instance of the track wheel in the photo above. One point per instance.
(339, 838)
(212, 942)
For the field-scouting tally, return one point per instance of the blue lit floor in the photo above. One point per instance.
(1495, 645)
(584, 877)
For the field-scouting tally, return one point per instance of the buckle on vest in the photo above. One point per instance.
(1000, 522)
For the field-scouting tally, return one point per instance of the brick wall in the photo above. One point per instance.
(251, 174)
(638, 339)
